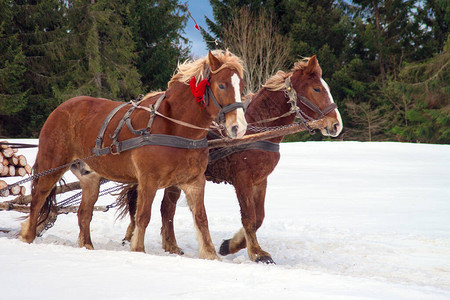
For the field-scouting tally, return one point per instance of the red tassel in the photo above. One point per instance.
(196, 27)
(198, 90)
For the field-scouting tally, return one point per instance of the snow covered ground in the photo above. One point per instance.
(344, 220)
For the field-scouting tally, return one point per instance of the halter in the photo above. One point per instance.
(291, 93)
(202, 92)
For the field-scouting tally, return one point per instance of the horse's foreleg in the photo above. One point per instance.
(90, 185)
(259, 198)
(251, 199)
(146, 195)
(168, 206)
(195, 197)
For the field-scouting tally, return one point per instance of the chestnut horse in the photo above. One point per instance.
(248, 169)
(70, 133)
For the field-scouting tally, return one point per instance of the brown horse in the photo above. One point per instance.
(70, 133)
(247, 168)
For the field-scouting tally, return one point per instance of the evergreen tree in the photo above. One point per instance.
(102, 52)
(12, 66)
(39, 34)
(157, 28)
(316, 28)
(434, 16)
(420, 98)
(389, 31)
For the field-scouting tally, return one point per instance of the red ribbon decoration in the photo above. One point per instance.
(198, 90)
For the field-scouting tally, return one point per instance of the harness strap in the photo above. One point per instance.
(153, 109)
(173, 120)
(124, 119)
(99, 139)
(314, 108)
(219, 153)
(155, 140)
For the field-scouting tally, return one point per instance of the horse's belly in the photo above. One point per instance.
(165, 166)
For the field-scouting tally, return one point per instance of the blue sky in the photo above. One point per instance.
(199, 9)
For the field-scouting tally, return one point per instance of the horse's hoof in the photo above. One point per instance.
(88, 246)
(125, 242)
(225, 248)
(265, 260)
(177, 251)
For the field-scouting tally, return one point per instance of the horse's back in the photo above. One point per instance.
(74, 118)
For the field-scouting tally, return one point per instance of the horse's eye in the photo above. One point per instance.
(221, 86)
(316, 90)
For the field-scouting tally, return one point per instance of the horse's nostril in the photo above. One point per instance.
(234, 130)
(336, 127)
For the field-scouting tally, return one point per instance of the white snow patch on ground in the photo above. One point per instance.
(344, 220)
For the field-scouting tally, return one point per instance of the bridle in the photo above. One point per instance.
(222, 109)
(292, 95)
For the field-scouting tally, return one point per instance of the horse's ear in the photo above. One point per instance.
(214, 63)
(312, 65)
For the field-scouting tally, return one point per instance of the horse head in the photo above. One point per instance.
(226, 85)
(314, 97)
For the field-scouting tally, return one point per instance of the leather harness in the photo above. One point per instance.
(144, 136)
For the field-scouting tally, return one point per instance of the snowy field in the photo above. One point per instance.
(344, 220)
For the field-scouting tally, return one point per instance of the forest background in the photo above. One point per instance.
(387, 62)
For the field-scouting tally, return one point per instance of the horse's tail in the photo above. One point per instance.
(127, 200)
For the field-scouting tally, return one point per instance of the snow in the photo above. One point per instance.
(344, 220)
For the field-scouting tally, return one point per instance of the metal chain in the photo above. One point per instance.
(74, 200)
(46, 172)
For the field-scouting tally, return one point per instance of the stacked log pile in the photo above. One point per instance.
(12, 164)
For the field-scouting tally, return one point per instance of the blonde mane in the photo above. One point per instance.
(201, 70)
(276, 82)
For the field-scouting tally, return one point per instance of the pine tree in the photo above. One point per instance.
(39, 34)
(157, 28)
(12, 66)
(434, 16)
(390, 31)
(421, 99)
(103, 52)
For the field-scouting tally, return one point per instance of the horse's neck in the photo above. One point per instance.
(267, 105)
(179, 104)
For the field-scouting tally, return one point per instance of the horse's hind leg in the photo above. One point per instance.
(46, 159)
(41, 189)
(131, 198)
(168, 206)
(90, 185)
(195, 197)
